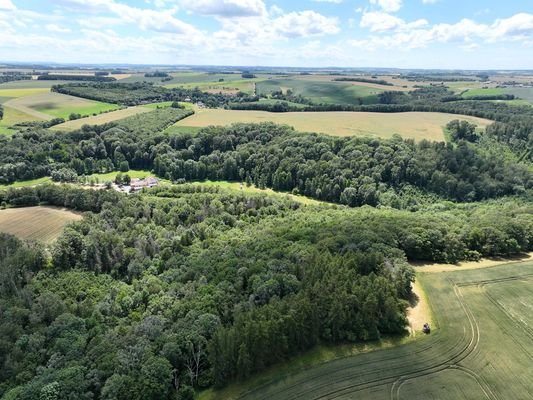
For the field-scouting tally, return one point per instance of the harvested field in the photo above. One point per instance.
(415, 125)
(37, 223)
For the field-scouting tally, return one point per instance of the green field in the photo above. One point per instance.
(483, 92)
(481, 347)
(36, 223)
(416, 125)
(103, 118)
(50, 105)
(523, 95)
(322, 91)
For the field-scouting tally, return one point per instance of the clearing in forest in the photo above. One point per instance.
(480, 347)
(415, 125)
(37, 223)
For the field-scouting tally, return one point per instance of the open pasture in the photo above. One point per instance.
(49, 105)
(37, 223)
(415, 125)
(480, 347)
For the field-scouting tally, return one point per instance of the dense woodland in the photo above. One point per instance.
(14, 76)
(353, 171)
(189, 286)
(76, 77)
(131, 94)
(364, 80)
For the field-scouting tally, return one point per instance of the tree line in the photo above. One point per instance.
(352, 171)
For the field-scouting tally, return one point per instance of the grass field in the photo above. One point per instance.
(416, 125)
(323, 91)
(102, 118)
(37, 223)
(14, 116)
(483, 92)
(480, 347)
(31, 182)
(56, 105)
(236, 187)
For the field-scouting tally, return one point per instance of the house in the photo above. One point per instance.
(139, 184)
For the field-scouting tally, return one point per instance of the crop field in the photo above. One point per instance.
(399, 85)
(37, 223)
(484, 92)
(480, 347)
(416, 125)
(32, 84)
(323, 92)
(14, 116)
(49, 105)
(102, 118)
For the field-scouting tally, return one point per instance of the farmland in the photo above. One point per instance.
(102, 118)
(37, 223)
(413, 125)
(323, 92)
(49, 105)
(480, 347)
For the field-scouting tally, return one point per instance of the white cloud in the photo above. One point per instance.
(429, 1)
(378, 21)
(7, 5)
(403, 35)
(305, 24)
(56, 28)
(329, 1)
(147, 19)
(388, 5)
(226, 8)
(470, 47)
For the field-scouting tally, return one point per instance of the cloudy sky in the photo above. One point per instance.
(465, 34)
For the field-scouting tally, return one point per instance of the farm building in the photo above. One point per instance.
(139, 184)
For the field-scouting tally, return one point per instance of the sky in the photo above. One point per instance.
(441, 34)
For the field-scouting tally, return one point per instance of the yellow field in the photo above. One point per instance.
(415, 125)
(16, 93)
(37, 223)
(102, 118)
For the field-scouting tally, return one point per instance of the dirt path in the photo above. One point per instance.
(483, 263)
(419, 312)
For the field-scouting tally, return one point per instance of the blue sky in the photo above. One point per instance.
(466, 34)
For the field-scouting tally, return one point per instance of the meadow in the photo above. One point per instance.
(56, 105)
(415, 125)
(43, 224)
(480, 347)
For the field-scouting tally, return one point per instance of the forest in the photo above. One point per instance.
(352, 171)
(76, 77)
(178, 288)
(132, 94)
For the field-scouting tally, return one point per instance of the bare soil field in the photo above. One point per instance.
(37, 223)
